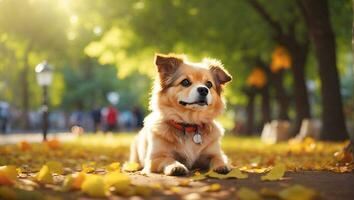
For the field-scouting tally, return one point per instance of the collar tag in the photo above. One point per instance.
(197, 138)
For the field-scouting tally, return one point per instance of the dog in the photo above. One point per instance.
(181, 134)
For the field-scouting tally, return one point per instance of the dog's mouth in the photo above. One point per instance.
(202, 102)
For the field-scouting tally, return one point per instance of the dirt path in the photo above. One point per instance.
(331, 186)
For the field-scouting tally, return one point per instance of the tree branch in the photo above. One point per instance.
(303, 11)
(266, 16)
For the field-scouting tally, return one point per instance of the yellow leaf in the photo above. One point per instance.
(131, 166)
(78, 180)
(184, 182)
(245, 193)
(44, 175)
(213, 174)
(198, 176)
(88, 168)
(8, 175)
(113, 167)
(236, 173)
(55, 167)
(274, 174)
(297, 192)
(117, 179)
(68, 183)
(94, 186)
(212, 188)
(175, 189)
(8, 193)
(157, 186)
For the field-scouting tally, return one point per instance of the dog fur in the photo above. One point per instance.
(161, 148)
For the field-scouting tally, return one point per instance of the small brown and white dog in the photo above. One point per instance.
(181, 134)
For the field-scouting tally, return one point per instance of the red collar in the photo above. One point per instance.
(184, 127)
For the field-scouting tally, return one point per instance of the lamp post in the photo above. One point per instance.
(44, 73)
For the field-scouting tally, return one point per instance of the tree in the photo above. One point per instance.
(36, 32)
(250, 92)
(298, 48)
(316, 13)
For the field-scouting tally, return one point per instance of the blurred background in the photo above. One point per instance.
(291, 61)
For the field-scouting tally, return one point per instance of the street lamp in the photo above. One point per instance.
(44, 73)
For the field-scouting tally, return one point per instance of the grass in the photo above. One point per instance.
(245, 152)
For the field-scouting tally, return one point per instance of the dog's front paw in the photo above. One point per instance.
(222, 169)
(175, 170)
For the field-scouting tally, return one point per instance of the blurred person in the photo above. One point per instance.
(139, 116)
(96, 117)
(4, 116)
(111, 118)
(127, 120)
(77, 117)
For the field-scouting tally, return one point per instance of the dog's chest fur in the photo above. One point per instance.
(187, 151)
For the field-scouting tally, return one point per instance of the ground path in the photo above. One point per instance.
(110, 148)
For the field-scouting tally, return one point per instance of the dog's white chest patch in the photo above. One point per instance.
(189, 149)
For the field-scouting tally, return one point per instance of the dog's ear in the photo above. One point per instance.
(167, 64)
(221, 75)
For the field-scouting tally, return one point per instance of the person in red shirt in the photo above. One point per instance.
(112, 118)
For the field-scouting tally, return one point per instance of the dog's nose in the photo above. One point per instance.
(203, 91)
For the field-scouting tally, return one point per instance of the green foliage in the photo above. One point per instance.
(84, 39)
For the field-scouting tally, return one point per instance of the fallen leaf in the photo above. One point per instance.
(211, 188)
(78, 180)
(184, 182)
(44, 175)
(53, 143)
(8, 175)
(68, 183)
(175, 189)
(198, 176)
(236, 173)
(117, 179)
(94, 186)
(245, 193)
(213, 174)
(113, 167)
(343, 156)
(274, 174)
(131, 166)
(88, 168)
(157, 186)
(24, 145)
(297, 192)
(55, 167)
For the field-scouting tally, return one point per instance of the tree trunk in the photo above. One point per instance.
(302, 105)
(333, 122)
(280, 95)
(266, 116)
(25, 90)
(250, 111)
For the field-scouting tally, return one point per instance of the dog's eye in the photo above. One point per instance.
(209, 84)
(186, 83)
